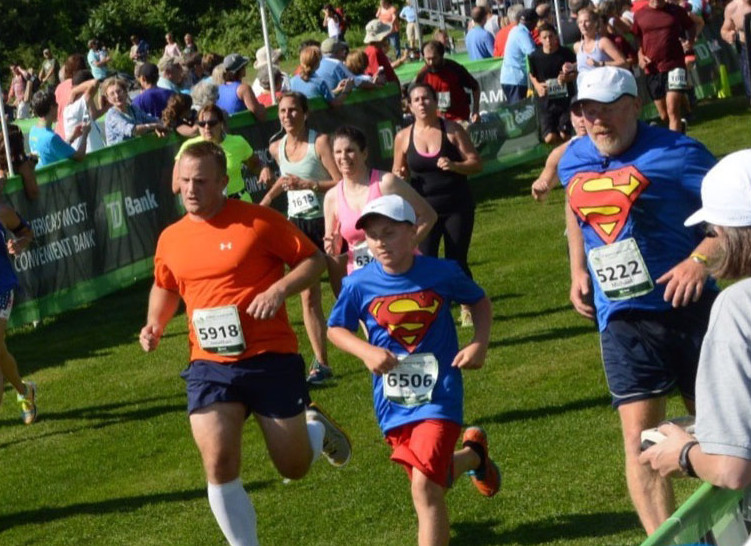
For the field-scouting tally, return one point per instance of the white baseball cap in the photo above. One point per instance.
(726, 193)
(392, 206)
(606, 84)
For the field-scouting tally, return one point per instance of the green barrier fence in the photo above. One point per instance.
(708, 509)
(96, 222)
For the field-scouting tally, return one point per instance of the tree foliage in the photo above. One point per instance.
(219, 25)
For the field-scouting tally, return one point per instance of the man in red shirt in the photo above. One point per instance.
(664, 31)
(376, 34)
(226, 260)
(450, 81)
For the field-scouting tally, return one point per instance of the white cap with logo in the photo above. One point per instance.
(392, 206)
(726, 193)
(606, 84)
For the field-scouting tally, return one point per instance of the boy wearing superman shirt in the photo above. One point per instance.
(412, 349)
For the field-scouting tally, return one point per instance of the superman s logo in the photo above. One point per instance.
(604, 199)
(407, 317)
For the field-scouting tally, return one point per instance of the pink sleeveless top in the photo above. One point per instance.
(348, 216)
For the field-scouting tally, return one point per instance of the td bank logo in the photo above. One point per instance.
(386, 138)
(113, 203)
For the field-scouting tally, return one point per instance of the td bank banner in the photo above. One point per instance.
(96, 223)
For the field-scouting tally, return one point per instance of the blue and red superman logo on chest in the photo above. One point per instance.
(604, 199)
(407, 317)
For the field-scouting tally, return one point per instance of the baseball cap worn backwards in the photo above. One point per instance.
(726, 193)
(606, 84)
(393, 207)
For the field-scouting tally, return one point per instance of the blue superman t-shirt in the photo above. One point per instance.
(643, 195)
(410, 314)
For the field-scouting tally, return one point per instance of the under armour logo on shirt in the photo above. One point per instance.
(223, 246)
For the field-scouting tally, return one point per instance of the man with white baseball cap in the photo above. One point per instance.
(720, 450)
(635, 269)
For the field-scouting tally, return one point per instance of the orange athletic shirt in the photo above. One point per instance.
(228, 260)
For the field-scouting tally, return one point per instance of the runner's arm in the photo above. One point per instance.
(163, 305)
(399, 166)
(684, 283)
(22, 233)
(549, 176)
(728, 30)
(612, 51)
(472, 357)
(426, 216)
(323, 147)
(266, 304)
(581, 284)
(471, 163)
(332, 238)
(377, 359)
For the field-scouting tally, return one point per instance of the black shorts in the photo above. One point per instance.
(314, 228)
(555, 116)
(646, 354)
(269, 384)
(657, 85)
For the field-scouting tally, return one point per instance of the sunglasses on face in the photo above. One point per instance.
(709, 231)
(209, 122)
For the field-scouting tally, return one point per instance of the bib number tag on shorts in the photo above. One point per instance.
(556, 90)
(444, 100)
(218, 330)
(677, 80)
(302, 202)
(620, 270)
(412, 382)
(361, 255)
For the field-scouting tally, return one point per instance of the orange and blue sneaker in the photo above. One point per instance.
(487, 476)
(28, 403)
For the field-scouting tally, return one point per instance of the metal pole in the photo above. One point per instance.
(267, 45)
(558, 20)
(416, 6)
(6, 138)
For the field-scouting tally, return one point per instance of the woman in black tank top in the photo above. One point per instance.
(437, 155)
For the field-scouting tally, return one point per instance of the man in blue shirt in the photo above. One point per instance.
(153, 99)
(409, 15)
(514, 68)
(332, 69)
(44, 142)
(479, 41)
(629, 188)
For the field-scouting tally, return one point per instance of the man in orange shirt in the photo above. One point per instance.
(226, 259)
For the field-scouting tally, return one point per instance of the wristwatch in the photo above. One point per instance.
(684, 462)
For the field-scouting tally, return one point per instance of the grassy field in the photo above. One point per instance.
(111, 460)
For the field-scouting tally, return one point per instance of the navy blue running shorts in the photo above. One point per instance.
(269, 384)
(646, 354)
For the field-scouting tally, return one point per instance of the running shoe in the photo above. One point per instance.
(486, 477)
(336, 445)
(28, 403)
(319, 373)
(466, 318)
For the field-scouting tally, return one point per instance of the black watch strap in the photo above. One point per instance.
(684, 462)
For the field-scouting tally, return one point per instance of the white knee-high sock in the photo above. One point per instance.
(316, 431)
(234, 512)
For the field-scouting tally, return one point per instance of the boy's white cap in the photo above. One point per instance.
(726, 193)
(605, 84)
(391, 206)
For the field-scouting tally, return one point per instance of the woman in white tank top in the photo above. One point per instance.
(593, 50)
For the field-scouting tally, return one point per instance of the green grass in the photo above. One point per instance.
(111, 460)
